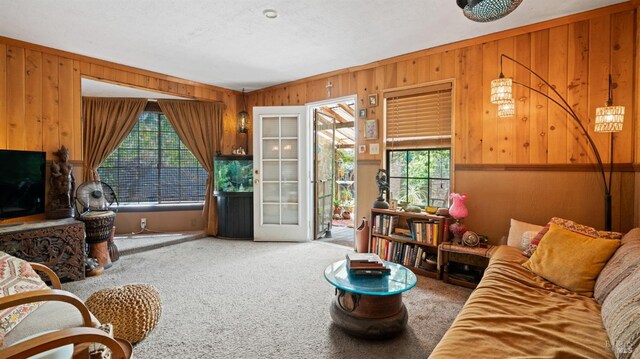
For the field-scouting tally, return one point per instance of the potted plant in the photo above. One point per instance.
(337, 208)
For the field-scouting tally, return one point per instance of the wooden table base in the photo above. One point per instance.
(369, 316)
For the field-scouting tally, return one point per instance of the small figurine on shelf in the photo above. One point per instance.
(459, 212)
(383, 186)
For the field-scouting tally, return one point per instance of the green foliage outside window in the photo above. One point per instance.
(421, 177)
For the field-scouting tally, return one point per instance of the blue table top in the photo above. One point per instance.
(399, 280)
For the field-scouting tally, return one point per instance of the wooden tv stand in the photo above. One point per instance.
(58, 244)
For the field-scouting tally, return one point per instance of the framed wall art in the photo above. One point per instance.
(371, 129)
(373, 100)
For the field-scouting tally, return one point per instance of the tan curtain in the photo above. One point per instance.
(107, 122)
(199, 126)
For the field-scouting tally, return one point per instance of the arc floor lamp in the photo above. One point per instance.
(608, 119)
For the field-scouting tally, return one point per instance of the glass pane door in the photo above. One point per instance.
(324, 156)
(279, 162)
(281, 202)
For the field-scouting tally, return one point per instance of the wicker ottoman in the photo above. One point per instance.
(133, 309)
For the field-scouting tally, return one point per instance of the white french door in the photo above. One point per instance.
(280, 174)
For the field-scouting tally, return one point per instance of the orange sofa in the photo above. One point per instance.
(515, 313)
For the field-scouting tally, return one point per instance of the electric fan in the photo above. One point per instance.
(93, 204)
(94, 196)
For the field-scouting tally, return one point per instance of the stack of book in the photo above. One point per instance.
(366, 264)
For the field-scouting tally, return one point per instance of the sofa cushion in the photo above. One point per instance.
(16, 276)
(624, 262)
(517, 230)
(515, 313)
(621, 315)
(564, 223)
(571, 260)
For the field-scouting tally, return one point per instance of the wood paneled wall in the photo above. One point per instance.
(575, 54)
(40, 96)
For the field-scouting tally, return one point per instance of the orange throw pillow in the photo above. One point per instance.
(571, 260)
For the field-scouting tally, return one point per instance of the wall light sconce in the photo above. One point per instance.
(243, 116)
(609, 119)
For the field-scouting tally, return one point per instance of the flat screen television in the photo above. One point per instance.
(22, 183)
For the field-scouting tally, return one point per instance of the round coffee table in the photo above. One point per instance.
(370, 306)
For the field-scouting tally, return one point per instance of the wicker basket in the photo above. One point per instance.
(133, 309)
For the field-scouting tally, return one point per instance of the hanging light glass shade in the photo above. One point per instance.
(507, 109)
(609, 119)
(501, 90)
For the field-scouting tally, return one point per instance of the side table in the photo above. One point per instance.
(477, 257)
(370, 306)
(58, 244)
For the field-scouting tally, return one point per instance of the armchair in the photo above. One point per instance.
(63, 319)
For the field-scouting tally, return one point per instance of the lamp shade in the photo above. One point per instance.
(609, 119)
(507, 109)
(488, 10)
(501, 90)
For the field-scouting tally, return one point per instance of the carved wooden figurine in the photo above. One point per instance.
(61, 186)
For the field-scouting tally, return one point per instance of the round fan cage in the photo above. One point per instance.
(95, 196)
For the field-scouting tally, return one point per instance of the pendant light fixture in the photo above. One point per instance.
(243, 116)
(487, 10)
(609, 118)
(507, 109)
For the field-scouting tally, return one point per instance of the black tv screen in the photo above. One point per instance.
(22, 183)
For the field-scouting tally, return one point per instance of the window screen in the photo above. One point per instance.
(152, 165)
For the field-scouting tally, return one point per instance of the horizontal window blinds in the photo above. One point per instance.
(419, 116)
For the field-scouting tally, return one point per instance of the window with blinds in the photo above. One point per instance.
(419, 117)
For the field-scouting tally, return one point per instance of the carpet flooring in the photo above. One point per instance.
(243, 299)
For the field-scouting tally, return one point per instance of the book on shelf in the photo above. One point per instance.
(424, 231)
(385, 224)
(407, 254)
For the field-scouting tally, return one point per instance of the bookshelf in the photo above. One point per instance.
(408, 238)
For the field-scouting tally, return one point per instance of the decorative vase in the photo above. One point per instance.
(458, 229)
(458, 210)
(362, 237)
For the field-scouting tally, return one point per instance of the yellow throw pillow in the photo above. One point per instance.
(571, 260)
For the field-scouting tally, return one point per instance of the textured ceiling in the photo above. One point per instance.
(231, 43)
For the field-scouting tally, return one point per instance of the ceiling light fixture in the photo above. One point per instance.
(270, 13)
(487, 10)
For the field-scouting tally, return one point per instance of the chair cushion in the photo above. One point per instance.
(49, 316)
(16, 276)
(571, 260)
(620, 266)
